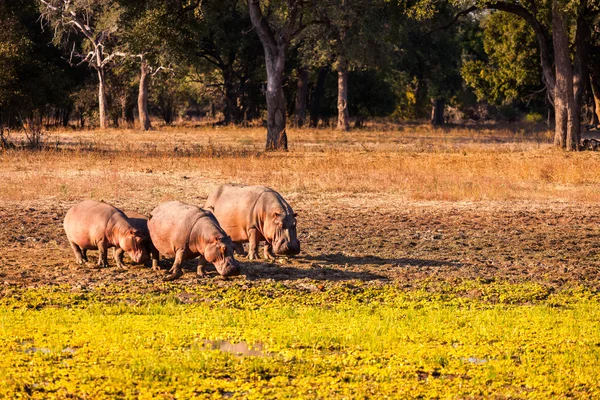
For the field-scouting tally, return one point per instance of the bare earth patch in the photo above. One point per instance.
(344, 238)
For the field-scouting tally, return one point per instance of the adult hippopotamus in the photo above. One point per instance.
(139, 222)
(185, 232)
(253, 214)
(98, 225)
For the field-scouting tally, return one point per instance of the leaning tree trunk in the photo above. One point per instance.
(343, 123)
(564, 101)
(437, 112)
(301, 98)
(596, 94)
(102, 103)
(143, 97)
(276, 115)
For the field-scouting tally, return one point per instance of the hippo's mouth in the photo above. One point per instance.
(228, 268)
(286, 248)
(139, 258)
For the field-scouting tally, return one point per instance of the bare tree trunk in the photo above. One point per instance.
(143, 97)
(275, 43)
(124, 100)
(232, 112)
(315, 103)
(301, 98)
(343, 123)
(421, 99)
(437, 112)
(276, 115)
(564, 99)
(580, 69)
(596, 94)
(102, 103)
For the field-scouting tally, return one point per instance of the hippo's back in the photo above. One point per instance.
(170, 225)
(233, 206)
(88, 220)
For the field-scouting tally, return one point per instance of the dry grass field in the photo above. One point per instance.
(454, 263)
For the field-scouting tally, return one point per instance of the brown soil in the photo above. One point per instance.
(349, 237)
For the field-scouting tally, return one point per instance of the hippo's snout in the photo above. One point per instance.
(229, 267)
(286, 248)
(139, 257)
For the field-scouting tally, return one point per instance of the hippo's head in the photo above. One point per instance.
(280, 228)
(134, 243)
(219, 252)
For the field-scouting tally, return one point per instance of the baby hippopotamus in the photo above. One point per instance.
(98, 225)
(253, 214)
(186, 231)
(139, 222)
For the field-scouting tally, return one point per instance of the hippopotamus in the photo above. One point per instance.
(253, 214)
(187, 231)
(98, 225)
(139, 222)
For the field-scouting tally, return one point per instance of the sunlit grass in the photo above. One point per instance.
(348, 341)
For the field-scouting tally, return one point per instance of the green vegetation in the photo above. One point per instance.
(338, 340)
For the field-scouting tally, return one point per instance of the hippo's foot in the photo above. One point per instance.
(176, 275)
(156, 268)
(123, 267)
(253, 255)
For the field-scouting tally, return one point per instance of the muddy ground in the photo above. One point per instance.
(349, 237)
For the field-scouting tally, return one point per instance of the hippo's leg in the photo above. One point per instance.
(102, 254)
(84, 254)
(79, 256)
(154, 255)
(202, 263)
(239, 249)
(269, 255)
(176, 270)
(118, 254)
(252, 244)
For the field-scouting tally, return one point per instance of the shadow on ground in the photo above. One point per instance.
(258, 270)
(341, 259)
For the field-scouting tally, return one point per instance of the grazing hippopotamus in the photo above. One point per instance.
(186, 231)
(253, 214)
(97, 225)
(139, 222)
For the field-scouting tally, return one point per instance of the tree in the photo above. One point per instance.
(151, 38)
(34, 79)
(14, 46)
(565, 82)
(275, 33)
(221, 38)
(349, 34)
(97, 22)
(508, 70)
(431, 57)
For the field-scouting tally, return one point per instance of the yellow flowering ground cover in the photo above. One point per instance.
(268, 340)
